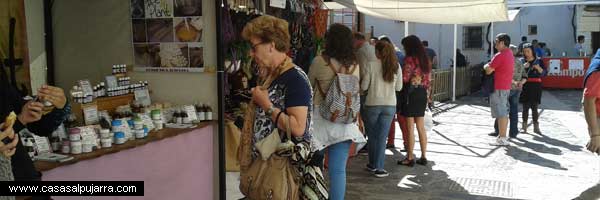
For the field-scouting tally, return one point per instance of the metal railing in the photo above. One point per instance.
(468, 80)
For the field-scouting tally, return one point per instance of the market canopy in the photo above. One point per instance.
(447, 11)
(433, 11)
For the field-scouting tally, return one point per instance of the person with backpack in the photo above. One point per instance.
(383, 80)
(416, 77)
(335, 77)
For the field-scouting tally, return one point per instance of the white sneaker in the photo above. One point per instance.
(500, 141)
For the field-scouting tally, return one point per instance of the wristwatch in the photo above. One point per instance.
(270, 110)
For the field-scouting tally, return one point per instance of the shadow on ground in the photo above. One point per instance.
(532, 158)
(555, 142)
(418, 182)
(591, 193)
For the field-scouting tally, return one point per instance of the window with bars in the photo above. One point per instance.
(346, 17)
(473, 37)
(532, 30)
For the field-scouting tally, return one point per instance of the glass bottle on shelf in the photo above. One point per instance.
(208, 113)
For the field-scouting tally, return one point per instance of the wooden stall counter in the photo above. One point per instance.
(152, 137)
(173, 163)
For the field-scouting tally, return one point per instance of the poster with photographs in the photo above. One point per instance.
(167, 35)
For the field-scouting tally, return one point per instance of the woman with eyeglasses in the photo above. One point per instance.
(283, 100)
(532, 90)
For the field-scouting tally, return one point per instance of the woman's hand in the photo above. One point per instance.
(594, 144)
(54, 95)
(7, 150)
(261, 97)
(538, 68)
(31, 112)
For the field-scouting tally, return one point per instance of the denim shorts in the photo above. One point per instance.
(499, 103)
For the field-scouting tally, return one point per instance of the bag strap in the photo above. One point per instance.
(288, 129)
(320, 89)
(332, 67)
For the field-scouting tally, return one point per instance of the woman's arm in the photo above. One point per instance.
(364, 85)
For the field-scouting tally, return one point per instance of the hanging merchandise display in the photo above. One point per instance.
(307, 25)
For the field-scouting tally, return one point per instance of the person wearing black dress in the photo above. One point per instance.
(532, 90)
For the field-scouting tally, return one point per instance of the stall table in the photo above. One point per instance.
(173, 163)
(565, 72)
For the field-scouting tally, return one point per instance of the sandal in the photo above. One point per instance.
(407, 162)
(422, 161)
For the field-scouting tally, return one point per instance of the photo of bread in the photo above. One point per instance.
(174, 55)
(184, 8)
(196, 55)
(188, 29)
(139, 30)
(146, 55)
(160, 30)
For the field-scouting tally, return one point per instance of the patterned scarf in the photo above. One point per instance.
(245, 148)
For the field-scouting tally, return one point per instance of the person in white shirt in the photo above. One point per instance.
(382, 81)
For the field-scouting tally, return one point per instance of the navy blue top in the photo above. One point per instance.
(531, 72)
(290, 89)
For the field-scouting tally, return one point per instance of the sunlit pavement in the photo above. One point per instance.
(553, 165)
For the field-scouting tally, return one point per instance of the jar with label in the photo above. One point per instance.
(139, 134)
(138, 123)
(76, 147)
(56, 145)
(117, 125)
(208, 113)
(130, 122)
(75, 134)
(104, 133)
(158, 124)
(156, 115)
(106, 142)
(120, 138)
(66, 147)
(87, 148)
(201, 112)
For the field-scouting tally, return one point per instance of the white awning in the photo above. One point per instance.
(528, 3)
(433, 11)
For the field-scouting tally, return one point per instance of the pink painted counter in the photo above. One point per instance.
(175, 164)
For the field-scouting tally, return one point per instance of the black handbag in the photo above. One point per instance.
(488, 83)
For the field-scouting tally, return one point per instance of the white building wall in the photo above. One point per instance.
(553, 23)
(587, 22)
